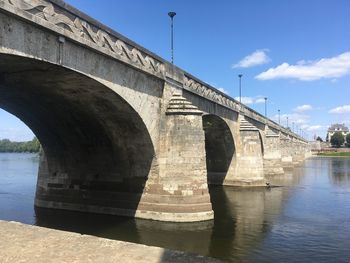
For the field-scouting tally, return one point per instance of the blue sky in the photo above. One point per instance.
(295, 53)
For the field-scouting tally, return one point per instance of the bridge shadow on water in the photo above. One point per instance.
(242, 219)
(190, 237)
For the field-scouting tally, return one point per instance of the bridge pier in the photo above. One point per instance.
(249, 168)
(182, 180)
(286, 153)
(298, 154)
(272, 154)
(175, 191)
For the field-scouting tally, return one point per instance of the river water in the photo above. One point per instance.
(306, 219)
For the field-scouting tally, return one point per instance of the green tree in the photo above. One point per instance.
(348, 139)
(32, 146)
(319, 139)
(337, 139)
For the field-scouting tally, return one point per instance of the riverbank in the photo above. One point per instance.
(26, 243)
(334, 154)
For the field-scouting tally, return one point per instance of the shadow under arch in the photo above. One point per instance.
(219, 147)
(97, 149)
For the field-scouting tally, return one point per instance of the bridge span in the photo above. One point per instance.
(124, 131)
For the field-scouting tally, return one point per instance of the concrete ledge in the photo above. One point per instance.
(26, 243)
(153, 215)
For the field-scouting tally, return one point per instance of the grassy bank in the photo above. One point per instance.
(335, 154)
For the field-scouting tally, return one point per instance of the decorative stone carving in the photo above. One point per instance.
(210, 93)
(83, 29)
(213, 95)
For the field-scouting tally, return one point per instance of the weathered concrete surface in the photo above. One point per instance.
(26, 243)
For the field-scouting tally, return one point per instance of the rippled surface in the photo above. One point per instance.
(307, 219)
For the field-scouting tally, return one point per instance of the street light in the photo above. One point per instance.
(265, 106)
(172, 14)
(279, 117)
(287, 123)
(240, 87)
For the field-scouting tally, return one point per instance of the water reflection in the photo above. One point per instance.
(18, 174)
(339, 170)
(242, 219)
(192, 237)
(305, 219)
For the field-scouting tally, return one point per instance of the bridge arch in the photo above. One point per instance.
(219, 146)
(93, 140)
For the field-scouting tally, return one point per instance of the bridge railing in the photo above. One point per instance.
(205, 90)
(69, 22)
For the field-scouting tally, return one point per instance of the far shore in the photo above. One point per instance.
(333, 154)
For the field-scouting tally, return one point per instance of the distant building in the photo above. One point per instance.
(336, 128)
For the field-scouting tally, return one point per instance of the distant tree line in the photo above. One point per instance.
(32, 146)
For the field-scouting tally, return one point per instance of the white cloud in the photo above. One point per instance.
(341, 109)
(217, 87)
(332, 68)
(296, 118)
(258, 57)
(251, 100)
(303, 108)
(297, 121)
(313, 128)
(223, 90)
(259, 100)
(245, 100)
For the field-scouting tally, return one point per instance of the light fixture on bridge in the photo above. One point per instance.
(172, 14)
(279, 117)
(265, 106)
(240, 87)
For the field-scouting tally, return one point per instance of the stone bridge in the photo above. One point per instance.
(124, 131)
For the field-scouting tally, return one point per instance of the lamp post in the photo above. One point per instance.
(287, 123)
(279, 117)
(172, 14)
(240, 88)
(265, 106)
